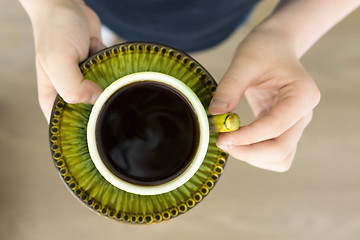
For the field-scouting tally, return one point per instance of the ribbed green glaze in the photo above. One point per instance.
(69, 144)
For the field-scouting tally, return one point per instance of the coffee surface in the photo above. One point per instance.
(147, 133)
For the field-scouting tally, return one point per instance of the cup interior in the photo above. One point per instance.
(194, 163)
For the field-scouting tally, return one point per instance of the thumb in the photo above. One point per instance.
(230, 90)
(64, 73)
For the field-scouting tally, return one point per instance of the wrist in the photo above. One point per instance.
(295, 32)
(273, 29)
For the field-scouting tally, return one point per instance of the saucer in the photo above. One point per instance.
(68, 137)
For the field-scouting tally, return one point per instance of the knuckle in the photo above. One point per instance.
(283, 167)
(316, 96)
(277, 151)
(313, 94)
(278, 156)
(285, 164)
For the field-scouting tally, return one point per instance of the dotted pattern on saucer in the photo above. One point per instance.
(169, 52)
(78, 191)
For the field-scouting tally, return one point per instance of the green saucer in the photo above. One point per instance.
(68, 142)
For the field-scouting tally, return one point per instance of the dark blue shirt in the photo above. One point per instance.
(189, 25)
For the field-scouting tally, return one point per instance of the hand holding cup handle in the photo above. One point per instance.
(183, 181)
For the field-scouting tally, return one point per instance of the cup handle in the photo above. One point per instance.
(224, 122)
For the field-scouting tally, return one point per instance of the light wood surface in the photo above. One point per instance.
(319, 198)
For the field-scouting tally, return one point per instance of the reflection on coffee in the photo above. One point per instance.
(147, 133)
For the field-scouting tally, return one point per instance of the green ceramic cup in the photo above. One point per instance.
(216, 123)
(74, 148)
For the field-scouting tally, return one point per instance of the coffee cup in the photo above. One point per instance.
(148, 133)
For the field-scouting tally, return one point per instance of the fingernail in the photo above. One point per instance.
(225, 148)
(94, 98)
(218, 104)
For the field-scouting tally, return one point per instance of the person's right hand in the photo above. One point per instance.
(279, 91)
(65, 33)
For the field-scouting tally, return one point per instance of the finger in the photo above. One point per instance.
(294, 103)
(46, 91)
(273, 150)
(281, 166)
(95, 45)
(232, 87)
(62, 69)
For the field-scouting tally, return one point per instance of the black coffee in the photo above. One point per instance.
(147, 133)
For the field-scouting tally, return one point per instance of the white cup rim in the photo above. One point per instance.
(203, 138)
